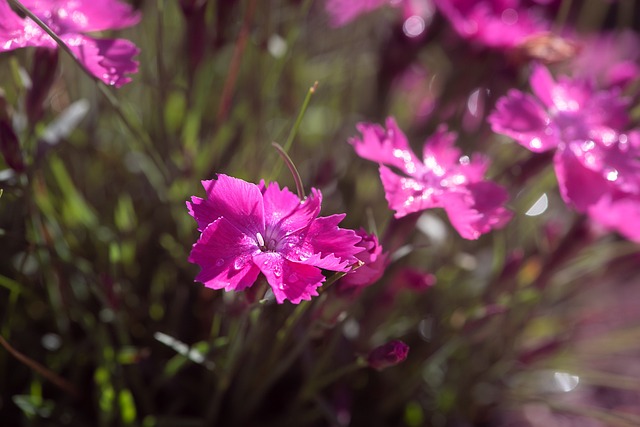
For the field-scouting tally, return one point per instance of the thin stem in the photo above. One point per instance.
(233, 357)
(562, 15)
(296, 126)
(62, 45)
(292, 168)
(303, 109)
(60, 382)
(236, 60)
(102, 87)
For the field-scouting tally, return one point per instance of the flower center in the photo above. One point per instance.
(270, 244)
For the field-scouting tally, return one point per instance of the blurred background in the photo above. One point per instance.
(537, 324)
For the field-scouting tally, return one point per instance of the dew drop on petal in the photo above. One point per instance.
(464, 160)
(238, 263)
(612, 175)
(277, 271)
(588, 145)
(293, 277)
(536, 143)
(219, 261)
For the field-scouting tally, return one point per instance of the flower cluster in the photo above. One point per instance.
(110, 60)
(249, 229)
(441, 179)
(596, 157)
(496, 24)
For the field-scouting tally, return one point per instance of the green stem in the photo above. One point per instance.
(294, 129)
(562, 15)
(292, 168)
(16, 4)
(303, 109)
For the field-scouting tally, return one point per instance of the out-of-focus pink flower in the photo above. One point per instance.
(414, 280)
(249, 229)
(110, 60)
(597, 164)
(442, 179)
(417, 14)
(611, 59)
(388, 355)
(495, 23)
(373, 259)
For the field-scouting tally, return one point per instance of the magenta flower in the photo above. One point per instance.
(388, 355)
(597, 164)
(249, 229)
(611, 59)
(495, 23)
(442, 179)
(416, 13)
(109, 60)
(373, 259)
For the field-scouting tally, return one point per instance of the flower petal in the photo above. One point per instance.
(238, 201)
(285, 210)
(109, 60)
(407, 195)
(325, 245)
(224, 255)
(620, 213)
(16, 32)
(439, 150)
(520, 117)
(477, 209)
(289, 280)
(374, 261)
(389, 147)
(86, 16)
(542, 85)
(579, 186)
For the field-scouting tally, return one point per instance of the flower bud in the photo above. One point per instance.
(9, 142)
(45, 63)
(388, 355)
(373, 262)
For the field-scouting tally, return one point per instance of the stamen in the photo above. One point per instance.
(260, 240)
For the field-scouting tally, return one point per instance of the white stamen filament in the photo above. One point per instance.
(260, 240)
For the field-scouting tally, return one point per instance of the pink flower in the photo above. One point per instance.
(110, 60)
(597, 164)
(495, 23)
(373, 259)
(414, 280)
(249, 229)
(442, 179)
(610, 59)
(388, 355)
(416, 13)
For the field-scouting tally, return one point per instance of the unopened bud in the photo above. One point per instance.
(9, 142)
(388, 355)
(45, 63)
